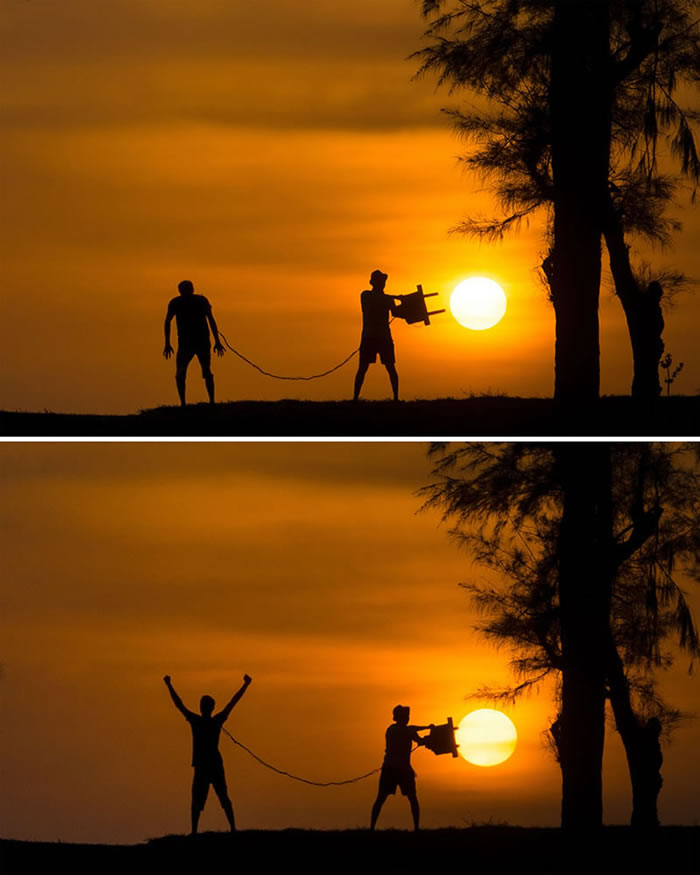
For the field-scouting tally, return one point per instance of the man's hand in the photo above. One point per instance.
(166, 679)
(247, 679)
(168, 351)
(218, 348)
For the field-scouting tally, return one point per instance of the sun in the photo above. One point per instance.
(478, 303)
(486, 737)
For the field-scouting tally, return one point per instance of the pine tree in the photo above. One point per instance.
(599, 622)
(572, 100)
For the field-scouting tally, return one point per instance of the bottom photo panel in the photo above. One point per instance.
(325, 647)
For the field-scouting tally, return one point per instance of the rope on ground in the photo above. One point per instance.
(295, 777)
(279, 376)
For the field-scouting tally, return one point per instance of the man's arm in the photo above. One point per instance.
(416, 729)
(234, 701)
(168, 351)
(393, 306)
(176, 699)
(218, 348)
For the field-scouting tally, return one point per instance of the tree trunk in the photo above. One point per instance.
(580, 98)
(645, 352)
(584, 597)
(642, 749)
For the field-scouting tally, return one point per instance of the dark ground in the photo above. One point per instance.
(479, 417)
(482, 850)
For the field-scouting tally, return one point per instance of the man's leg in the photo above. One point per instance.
(180, 376)
(182, 360)
(228, 808)
(377, 807)
(204, 357)
(415, 810)
(209, 383)
(359, 378)
(200, 791)
(195, 819)
(394, 378)
(222, 793)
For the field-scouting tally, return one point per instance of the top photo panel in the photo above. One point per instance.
(373, 219)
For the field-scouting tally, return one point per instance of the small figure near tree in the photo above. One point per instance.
(193, 317)
(645, 767)
(396, 769)
(206, 759)
(646, 379)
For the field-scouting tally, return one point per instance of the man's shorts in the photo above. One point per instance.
(186, 352)
(371, 347)
(395, 776)
(203, 777)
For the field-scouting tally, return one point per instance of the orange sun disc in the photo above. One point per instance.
(486, 737)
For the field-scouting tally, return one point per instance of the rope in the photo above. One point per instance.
(279, 376)
(295, 777)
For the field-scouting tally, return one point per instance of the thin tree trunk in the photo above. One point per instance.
(645, 359)
(639, 746)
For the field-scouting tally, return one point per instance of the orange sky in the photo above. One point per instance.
(275, 157)
(305, 565)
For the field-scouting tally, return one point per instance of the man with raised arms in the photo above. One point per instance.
(206, 759)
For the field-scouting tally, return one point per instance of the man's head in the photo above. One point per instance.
(206, 706)
(185, 287)
(378, 279)
(401, 714)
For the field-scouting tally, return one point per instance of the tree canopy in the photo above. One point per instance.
(571, 102)
(500, 51)
(506, 503)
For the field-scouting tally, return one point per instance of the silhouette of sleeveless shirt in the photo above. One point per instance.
(190, 313)
(375, 314)
(399, 740)
(205, 739)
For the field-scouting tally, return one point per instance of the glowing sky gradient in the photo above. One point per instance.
(275, 156)
(305, 565)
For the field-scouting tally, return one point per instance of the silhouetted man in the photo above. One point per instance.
(396, 768)
(656, 327)
(647, 780)
(376, 334)
(646, 383)
(206, 759)
(193, 318)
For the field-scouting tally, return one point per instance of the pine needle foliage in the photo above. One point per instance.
(498, 54)
(504, 504)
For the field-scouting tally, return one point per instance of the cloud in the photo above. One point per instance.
(32, 468)
(285, 29)
(280, 66)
